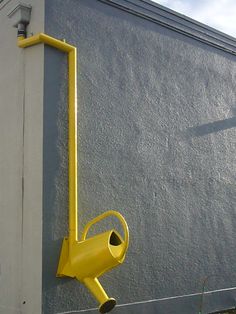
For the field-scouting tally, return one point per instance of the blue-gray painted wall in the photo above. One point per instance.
(157, 142)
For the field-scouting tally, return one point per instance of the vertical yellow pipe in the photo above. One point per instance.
(73, 198)
(72, 109)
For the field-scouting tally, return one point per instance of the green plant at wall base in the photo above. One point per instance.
(231, 310)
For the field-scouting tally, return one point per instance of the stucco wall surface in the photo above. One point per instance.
(156, 121)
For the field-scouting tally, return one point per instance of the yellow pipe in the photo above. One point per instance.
(72, 108)
(89, 258)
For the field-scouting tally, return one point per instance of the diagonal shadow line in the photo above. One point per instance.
(212, 127)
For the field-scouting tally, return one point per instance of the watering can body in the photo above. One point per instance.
(93, 256)
(89, 258)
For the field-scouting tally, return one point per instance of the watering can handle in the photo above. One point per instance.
(105, 215)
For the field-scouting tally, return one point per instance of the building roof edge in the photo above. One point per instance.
(180, 23)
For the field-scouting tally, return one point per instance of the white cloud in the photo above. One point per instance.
(220, 14)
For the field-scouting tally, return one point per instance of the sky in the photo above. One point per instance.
(220, 14)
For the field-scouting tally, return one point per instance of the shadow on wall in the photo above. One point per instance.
(212, 127)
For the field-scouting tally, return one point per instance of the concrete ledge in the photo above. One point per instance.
(211, 302)
(177, 22)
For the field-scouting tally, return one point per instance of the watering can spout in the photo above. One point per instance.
(106, 303)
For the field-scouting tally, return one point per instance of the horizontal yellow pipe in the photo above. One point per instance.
(43, 38)
(72, 108)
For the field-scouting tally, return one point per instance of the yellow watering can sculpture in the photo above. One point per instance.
(89, 258)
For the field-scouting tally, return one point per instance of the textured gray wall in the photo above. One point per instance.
(156, 123)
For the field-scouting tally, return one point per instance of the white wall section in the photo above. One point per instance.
(21, 109)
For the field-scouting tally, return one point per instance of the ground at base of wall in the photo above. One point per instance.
(230, 311)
